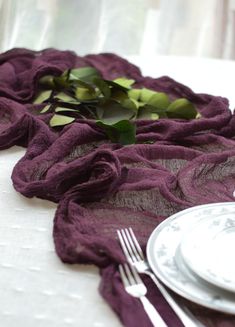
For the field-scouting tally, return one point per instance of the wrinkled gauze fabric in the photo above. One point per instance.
(101, 187)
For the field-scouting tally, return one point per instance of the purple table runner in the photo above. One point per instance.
(100, 186)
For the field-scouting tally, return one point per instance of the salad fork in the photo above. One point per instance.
(136, 288)
(135, 257)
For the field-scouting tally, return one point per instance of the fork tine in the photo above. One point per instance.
(123, 246)
(123, 276)
(129, 274)
(137, 245)
(183, 313)
(129, 246)
(126, 246)
(135, 274)
(127, 243)
(136, 288)
(134, 244)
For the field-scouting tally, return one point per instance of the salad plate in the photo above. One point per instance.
(169, 265)
(208, 250)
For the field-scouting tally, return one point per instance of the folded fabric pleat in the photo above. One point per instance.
(100, 186)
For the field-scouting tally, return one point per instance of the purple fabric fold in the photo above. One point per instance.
(101, 187)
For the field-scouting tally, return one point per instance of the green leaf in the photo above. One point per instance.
(118, 95)
(43, 96)
(146, 94)
(86, 74)
(65, 98)
(159, 100)
(130, 104)
(116, 86)
(65, 74)
(126, 132)
(114, 112)
(146, 112)
(103, 87)
(60, 109)
(154, 116)
(60, 120)
(125, 82)
(45, 109)
(84, 94)
(85, 85)
(61, 82)
(47, 81)
(99, 112)
(134, 94)
(181, 108)
(122, 132)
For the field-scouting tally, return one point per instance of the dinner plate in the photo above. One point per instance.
(208, 249)
(164, 256)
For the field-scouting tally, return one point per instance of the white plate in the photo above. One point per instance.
(208, 249)
(164, 257)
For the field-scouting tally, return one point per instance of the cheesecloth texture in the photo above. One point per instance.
(100, 186)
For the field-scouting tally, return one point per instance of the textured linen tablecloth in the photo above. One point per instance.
(36, 288)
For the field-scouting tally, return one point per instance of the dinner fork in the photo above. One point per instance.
(135, 257)
(136, 288)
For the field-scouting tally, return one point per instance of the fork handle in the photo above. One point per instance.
(152, 313)
(184, 314)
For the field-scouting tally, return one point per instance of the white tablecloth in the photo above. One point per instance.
(36, 288)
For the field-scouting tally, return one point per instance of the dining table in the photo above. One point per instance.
(37, 288)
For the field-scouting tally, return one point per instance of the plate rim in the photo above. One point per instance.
(164, 280)
(201, 274)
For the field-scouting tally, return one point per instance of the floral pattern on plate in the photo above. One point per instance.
(165, 259)
(208, 250)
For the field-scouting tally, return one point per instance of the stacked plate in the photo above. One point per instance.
(192, 253)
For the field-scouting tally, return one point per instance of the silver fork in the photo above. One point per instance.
(135, 257)
(135, 287)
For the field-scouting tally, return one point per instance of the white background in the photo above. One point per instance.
(126, 27)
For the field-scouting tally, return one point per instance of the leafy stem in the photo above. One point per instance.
(113, 104)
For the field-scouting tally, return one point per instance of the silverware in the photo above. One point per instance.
(135, 257)
(136, 288)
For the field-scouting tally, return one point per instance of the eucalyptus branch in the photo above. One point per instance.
(114, 104)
